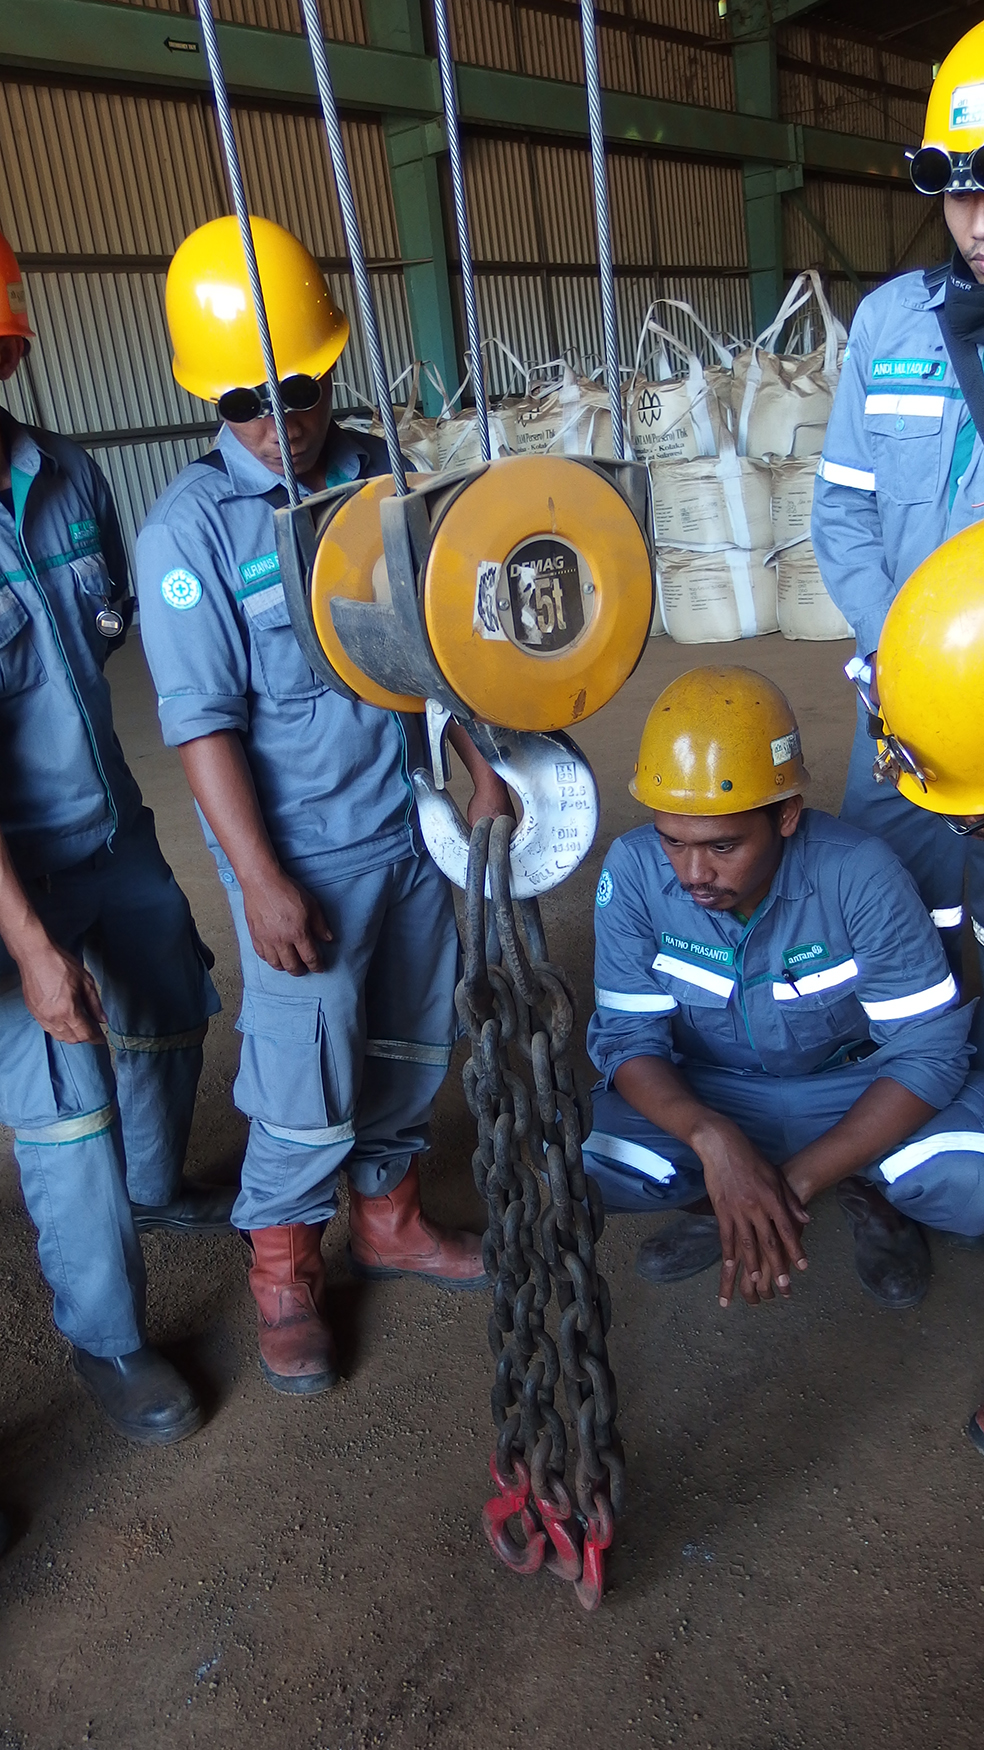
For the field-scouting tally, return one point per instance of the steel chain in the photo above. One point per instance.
(520, 1085)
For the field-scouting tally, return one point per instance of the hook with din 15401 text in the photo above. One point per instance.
(557, 793)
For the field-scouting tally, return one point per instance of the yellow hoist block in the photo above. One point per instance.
(537, 592)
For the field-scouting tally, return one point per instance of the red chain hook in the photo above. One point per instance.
(514, 1498)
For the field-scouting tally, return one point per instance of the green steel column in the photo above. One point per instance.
(412, 148)
(757, 93)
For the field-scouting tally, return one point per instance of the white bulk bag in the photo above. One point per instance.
(792, 499)
(713, 598)
(781, 402)
(713, 501)
(566, 417)
(675, 417)
(804, 608)
(416, 431)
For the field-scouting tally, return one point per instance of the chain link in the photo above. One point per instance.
(520, 1085)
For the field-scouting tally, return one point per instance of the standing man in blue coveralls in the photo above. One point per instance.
(774, 1016)
(346, 928)
(82, 879)
(903, 463)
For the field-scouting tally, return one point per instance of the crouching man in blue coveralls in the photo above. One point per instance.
(346, 929)
(775, 1015)
(81, 874)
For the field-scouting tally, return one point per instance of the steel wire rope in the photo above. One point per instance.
(353, 238)
(449, 95)
(237, 189)
(606, 270)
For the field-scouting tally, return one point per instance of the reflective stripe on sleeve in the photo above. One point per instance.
(691, 974)
(167, 1041)
(837, 475)
(919, 1003)
(67, 1130)
(919, 406)
(916, 1154)
(628, 1003)
(947, 917)
(409, 1051)
(978, 930)
(630, 1154)
(811, 982)
(332, 1133)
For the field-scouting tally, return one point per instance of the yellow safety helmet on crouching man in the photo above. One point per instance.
(719, 741)
(217, 353)
(951, 157)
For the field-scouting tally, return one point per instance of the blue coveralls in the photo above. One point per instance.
(341, 1066)
(86, 851)
(781, 1023)
(902, 470)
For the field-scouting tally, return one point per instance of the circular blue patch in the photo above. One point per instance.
(181, 589)
(606, 887)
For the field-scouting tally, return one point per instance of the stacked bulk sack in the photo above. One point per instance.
(712, 524)
(781, 403)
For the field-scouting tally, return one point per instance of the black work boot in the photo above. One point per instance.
(194, 1208)
(682, 1248)
(142, 1396)
(890, 1251)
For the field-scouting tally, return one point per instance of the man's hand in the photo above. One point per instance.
(286, 924)
(759, 1216)
(61, 994)
(490, 797)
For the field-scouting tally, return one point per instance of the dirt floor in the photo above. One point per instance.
(800, 1562)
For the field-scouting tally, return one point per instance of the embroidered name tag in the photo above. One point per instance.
(84, 537)
(706, 952)
(896, 370)
(257, 572)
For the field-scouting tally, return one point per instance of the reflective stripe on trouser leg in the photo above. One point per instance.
(76, 1196)
(937, 1175)
(635, 1166)
(934, 856)
(290, 1177)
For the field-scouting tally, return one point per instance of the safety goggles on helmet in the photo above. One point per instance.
(893, 760)
(964, 825)
(298, 394)
(934, 170)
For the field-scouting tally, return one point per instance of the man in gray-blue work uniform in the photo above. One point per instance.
(82, 875)
(903, 466)
(346, 928)
(775, 1015)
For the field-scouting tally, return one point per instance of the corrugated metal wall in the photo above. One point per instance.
(107, 185)
(108, 182)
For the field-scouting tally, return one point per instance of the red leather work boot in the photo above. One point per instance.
(391, 1236)
(297, 1350)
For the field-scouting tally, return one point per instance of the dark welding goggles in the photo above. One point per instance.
(298, 394)
(935, 171)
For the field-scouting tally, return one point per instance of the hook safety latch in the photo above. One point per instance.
(556, 789)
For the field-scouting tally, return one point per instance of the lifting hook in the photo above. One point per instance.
(556, 788)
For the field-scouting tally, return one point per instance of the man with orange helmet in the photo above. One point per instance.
(87, 899)
(903, 461)
(346, 929)
(774, 1016)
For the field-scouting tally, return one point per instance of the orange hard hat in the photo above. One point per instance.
(13, 298)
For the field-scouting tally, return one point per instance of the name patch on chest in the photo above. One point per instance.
(258, 574)
(708, 953)
(908, 370)
(84, 537)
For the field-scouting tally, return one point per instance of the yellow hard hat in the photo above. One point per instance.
(930, 669)
(210, 310)
(719, 741)
(947, 159)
